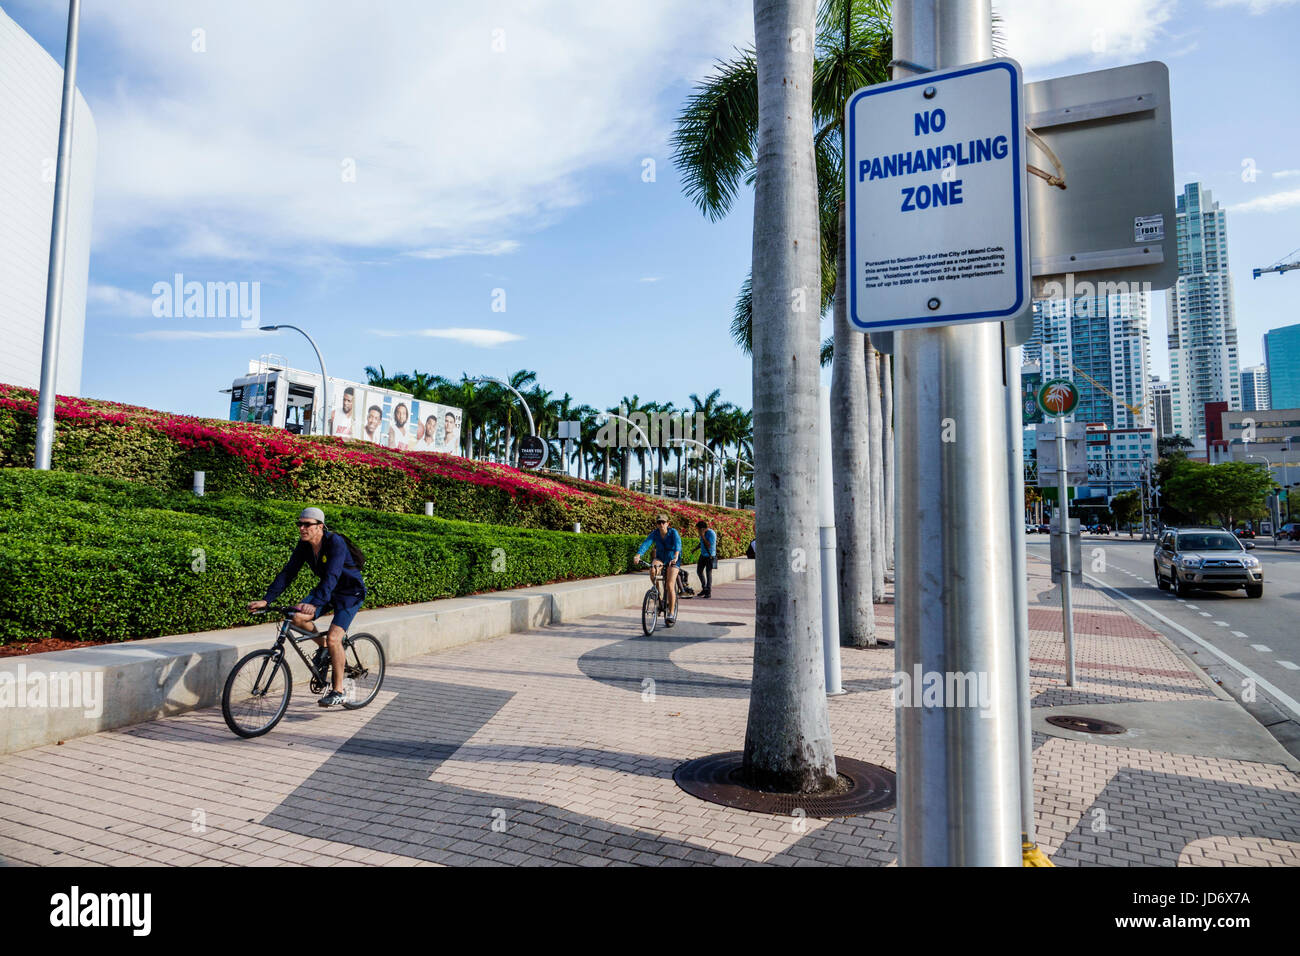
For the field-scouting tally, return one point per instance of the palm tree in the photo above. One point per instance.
(712, 407)
(714, 148)
(787, 739)
(632, 404)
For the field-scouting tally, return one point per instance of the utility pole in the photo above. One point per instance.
(958, 767)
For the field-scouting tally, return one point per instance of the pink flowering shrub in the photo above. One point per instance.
(163, 450)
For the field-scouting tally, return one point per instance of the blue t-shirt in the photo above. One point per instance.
(665, 545)
(708, 543)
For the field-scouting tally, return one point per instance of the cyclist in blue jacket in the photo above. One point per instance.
(668, 549)
(341, 589)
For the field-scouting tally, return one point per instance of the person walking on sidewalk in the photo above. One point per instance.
(341, 589)
(708, 557)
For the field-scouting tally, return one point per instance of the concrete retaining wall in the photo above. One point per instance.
(45, 698)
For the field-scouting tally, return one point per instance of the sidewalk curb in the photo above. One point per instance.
(144, 680)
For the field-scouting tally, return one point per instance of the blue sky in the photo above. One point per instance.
(504, 146)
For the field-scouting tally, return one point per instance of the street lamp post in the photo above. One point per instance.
(48, 398)
(532, 430)
(644, 436)
(324, 376)
(692, 441)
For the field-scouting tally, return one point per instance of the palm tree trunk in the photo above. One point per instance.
(853, 544)
(788, 738)
(887, 424)
(875, 476)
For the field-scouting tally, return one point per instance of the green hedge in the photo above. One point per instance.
(85, 558)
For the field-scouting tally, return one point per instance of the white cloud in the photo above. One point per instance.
(498, 247)
(247, 150)
(1256, 6)
(483, 338)
(649, 278)
(1274, 202)
(115, 301)
(176, 335)
(1039, 34)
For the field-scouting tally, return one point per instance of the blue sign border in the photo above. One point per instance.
(1017, 164)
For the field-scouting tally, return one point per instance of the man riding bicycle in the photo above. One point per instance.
(341, 589)
(668, 551)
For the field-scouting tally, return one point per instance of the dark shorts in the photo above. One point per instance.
(344, 610)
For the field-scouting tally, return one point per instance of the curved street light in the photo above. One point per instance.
(648, 444)
(1272, 516)
(324, 376)
(532, 429)
(722, 463)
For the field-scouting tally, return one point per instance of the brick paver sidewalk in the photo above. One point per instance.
(558, 746)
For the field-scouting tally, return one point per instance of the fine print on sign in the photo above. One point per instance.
(532, 452)
(936, 199)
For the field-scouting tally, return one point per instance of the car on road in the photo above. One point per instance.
(1290, 531)
(1044, 528)
(1244, 533)
(1188, 559)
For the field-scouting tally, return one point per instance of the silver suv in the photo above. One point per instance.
(1208, 558)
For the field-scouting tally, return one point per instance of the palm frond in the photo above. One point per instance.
(713, 144)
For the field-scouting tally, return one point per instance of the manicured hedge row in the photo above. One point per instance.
(163, 451)
(85, 558)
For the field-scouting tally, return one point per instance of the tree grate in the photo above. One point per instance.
(863, 788)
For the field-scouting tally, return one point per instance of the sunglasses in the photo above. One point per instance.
(307, 524)
(661, 522)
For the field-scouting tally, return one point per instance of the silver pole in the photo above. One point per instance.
(58, 248)
(958, 773)
(830, 577)
(1020, 589)
(1067, 585)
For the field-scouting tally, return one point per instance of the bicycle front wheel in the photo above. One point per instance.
(256, 694)
(363, 670)
(650, 612)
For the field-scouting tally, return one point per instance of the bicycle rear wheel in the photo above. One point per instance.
(363, 670)
(256, 694)
(650, 612)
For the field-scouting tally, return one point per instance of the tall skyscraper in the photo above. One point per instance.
(1162, 405)
(1254, 388)
(1097, 341)
(1202, 330)
(1282, 353)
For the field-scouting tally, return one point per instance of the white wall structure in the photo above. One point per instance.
(31, 91)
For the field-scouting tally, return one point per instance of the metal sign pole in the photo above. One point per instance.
(58, 246)
(958, 774)
(1067, 593)
(830, 577)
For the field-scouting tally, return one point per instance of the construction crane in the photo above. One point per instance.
(1280, 266)
(1137, 410)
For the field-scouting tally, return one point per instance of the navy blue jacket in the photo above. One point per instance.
(340, 578)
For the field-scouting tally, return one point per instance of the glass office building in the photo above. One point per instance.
(1282, 353)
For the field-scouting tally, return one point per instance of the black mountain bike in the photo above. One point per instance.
(656, 600)
(258, 689)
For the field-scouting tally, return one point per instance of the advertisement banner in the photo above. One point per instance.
(401, 428)
(1030, 382)
(378, 411)
(254, 402)
(439, 429)
(346, 415)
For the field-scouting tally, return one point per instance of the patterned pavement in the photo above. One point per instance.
(557, 746)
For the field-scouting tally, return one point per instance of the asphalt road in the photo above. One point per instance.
(1251, 645)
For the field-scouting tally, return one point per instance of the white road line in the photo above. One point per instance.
(1289, 666)
(1262, 648)
(1286, 700)
(1205, 614)
(1239, 634)
(1192, 607)
(1221, 623)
